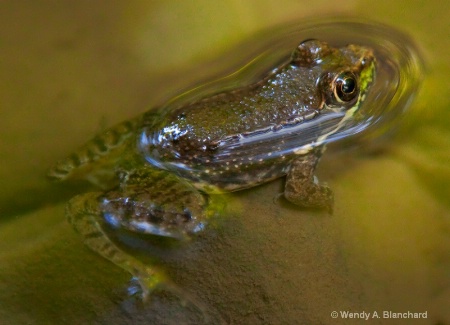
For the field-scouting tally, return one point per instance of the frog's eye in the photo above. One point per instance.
(345, 87)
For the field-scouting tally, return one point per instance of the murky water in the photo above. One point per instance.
(385, 248)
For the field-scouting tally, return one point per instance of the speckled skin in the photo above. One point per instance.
(153, 167)
(215, 142)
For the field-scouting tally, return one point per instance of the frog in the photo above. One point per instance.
(156, 173)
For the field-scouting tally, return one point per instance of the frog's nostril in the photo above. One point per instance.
(187, 215)
(367, 60)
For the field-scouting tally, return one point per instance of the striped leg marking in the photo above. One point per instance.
(84, 214)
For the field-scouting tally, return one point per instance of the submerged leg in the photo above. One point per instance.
(302, 187)
(169, 207)
(95, 161)
(85, 215)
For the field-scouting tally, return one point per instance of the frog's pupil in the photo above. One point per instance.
(348, 85)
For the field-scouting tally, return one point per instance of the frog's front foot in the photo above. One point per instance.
(302, 187)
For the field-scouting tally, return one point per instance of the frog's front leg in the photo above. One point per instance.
(302, 187)
(149, 201)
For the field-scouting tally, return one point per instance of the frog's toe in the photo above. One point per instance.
(139, 289)
(134, 287)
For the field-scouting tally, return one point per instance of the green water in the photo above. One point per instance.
(69, 69)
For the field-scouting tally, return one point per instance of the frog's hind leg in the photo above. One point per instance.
(84, 213)
(95, 160)
(149, 201)
(302, 187)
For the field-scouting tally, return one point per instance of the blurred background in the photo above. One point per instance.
(68, 69)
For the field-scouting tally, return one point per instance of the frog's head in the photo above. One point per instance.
(343, 75)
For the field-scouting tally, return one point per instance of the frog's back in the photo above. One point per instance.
(204, 139)
(255, 131)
